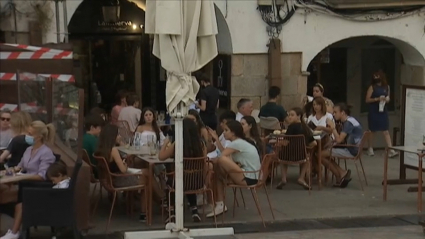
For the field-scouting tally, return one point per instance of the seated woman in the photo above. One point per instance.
(106, 148)
(239, 156)
(19, 123)
(319, 118)
(297, 126)
(250, 130)
(203, 131)
(318, 91)
(148, 129)
(193, 147)
(35, 161)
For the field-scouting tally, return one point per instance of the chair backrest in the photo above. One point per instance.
(105, 177)
(291, 148)
(363, 141)
(74, 175)
(86, 159)
(266, 165)
(194, 173)
(255, 114)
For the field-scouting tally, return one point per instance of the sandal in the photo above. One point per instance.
(346, 176)
(304, 185)
(280, 185)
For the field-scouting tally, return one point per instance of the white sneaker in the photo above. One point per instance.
(219, 209)
(10, 235)
(392, 153)
(199, 200)
(370, 152)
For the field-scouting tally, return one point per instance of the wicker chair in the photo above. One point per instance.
(124, 130)
(93, 180)
(264, 173)
(355, 158)
(106, 181)
(292, 150)
(196, 177)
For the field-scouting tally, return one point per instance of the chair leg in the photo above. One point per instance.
(112, 209)
(257, 204)
(268, 199)
(234, 201)
(224, 205)
(309, 178)
(364, 173)
(358, 174)
(272, 175)
(215, 216)
(97, 201)
(243, 199)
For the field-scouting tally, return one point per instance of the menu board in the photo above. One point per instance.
(414, 123)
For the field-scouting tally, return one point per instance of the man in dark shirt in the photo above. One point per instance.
(209, 102)
(271, 108)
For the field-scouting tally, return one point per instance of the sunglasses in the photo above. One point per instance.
(5, 119)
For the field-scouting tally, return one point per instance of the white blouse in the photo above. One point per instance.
(321, 121)
(146, 136)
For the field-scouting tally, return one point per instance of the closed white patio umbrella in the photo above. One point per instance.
(185, 40)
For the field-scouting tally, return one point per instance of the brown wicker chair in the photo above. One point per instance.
(292, 150)
(106, 181)
(196, 178)
(264, 173)
(355, 158)
(93, 180)
(124, 130)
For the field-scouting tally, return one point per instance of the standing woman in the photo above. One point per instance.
(379, 92)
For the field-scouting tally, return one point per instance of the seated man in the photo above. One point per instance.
(271, 108)
(353, 132)
(93, 125)
(245, 108)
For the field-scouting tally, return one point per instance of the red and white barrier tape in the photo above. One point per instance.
(21, 55)
(36, 48)
(30, 76)
(32, 108)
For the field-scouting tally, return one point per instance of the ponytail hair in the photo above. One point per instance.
(299, 112)
(47, 132)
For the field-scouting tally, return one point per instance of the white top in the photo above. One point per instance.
(224, 142)
(145, 136)
(321, 121)
(5, 137)
(131, 115)
(63, 183)
(247, 156)
(239, 116)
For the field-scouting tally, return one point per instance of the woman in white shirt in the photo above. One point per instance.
(148, 129)
(240, 156)
(319, 118)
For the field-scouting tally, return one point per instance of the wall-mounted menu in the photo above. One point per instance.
(414, 123)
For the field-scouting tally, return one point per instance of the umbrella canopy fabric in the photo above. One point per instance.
(185, 41)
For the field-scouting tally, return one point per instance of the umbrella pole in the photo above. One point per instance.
(178, 160)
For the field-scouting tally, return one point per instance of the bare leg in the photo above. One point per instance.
(18, 218)
(284, 171)
(371, 139)
(227, 165)
(332, 166)
(303, 173)
(387, 137)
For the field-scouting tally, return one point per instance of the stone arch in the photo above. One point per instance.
(411, 55)
(224, 39)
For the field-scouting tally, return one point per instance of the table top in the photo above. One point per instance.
(154, 159)
(409, 149)
(132, 151)
(15, 179)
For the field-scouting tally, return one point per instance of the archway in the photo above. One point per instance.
(345, 69)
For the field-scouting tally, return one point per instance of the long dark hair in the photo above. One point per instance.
(299, 112)
(155, 126)
(236, 127)
(107, 140)
(192, 144)
(254, 130)
(199, 122)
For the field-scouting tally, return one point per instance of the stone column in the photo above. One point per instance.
(294, 82)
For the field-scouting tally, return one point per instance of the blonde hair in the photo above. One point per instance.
(47, 132)
(20, 121)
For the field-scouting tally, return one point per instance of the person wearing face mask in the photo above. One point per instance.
(19, 123)
(378, 96)
(5, 131)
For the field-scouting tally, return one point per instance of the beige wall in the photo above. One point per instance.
(249, 79)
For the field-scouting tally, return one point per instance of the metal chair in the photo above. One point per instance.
(93, 179)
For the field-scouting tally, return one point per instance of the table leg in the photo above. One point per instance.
(385, 173)
(149, 192)
(319, 160)
(420, 185)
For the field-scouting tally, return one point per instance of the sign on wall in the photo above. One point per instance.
(414, 122)
(221, 78)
